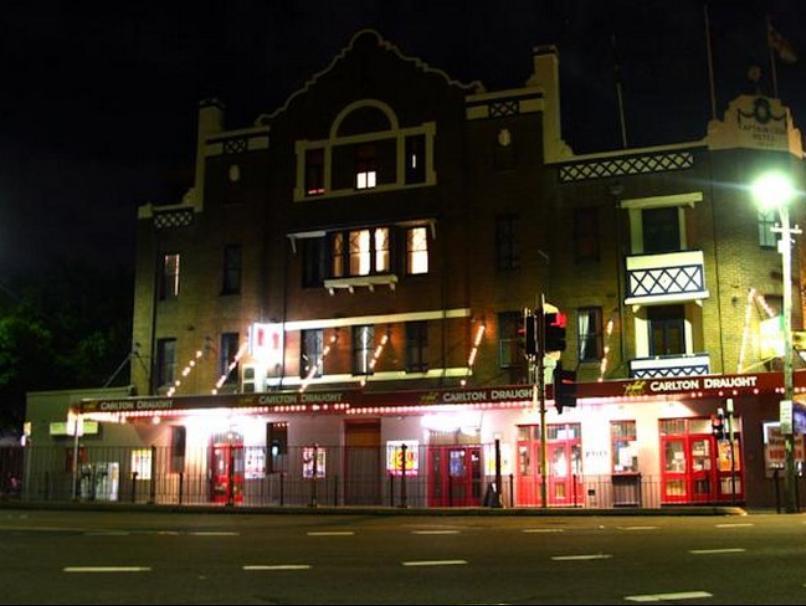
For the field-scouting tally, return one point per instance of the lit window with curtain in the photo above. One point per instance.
(312, 345)
(417, 250)
(169, 276)
(363, 346)
(360, 254)
(337, 255)
(416, 346)
(589, 334)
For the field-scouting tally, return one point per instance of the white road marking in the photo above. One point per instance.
(331, 533)
(638, 528)
(742, 525)
(108, 533)
(44, 528)
(215, 533)
(434, 532)
(715, 551)
(542, 530)
(435, 563)
(254, 567)
(107, 569)
(593, 556)
(662, 597)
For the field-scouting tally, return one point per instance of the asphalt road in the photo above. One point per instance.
(92, 558)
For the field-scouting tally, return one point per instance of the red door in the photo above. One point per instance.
(455, 476)
(564, 457)
(227, 478)
(695, 466)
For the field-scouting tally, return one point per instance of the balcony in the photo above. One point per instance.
(657, 279)
(369, 281)
(683, 365)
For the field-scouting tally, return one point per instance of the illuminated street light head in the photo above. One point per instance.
(773, 190)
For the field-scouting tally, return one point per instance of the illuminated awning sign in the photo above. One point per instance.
(266, 344)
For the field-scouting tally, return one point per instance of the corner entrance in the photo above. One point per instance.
(227, 465)
(564, 457)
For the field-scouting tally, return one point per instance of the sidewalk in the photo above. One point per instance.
(376, 510)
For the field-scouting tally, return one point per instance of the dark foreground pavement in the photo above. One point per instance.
(124, 557)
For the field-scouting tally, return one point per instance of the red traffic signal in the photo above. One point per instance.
(555, 324)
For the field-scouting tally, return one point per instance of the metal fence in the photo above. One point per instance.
(235, 475)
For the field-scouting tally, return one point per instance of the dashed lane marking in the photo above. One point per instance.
(592, 556)
(429, 532)
(717, 551)
(663, 597)
(542, 530)
(259, 567)
(435, 563)
(102, 569)
(741, 525)
(214, 533)
(639, 528)
(330, 533)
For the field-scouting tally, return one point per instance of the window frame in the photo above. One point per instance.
(314, 177)
(666, 325)
(622, 439)
(169, 279)
(417, 346)
(344, 257)
(363, 349)
(510, 342)
(411, 252)
(507, 253)
(226, 356)
(597, 335)
(767, 219)
(305, 355)
(232, 270)
(162, 362)
(366, 165)
(652, 243)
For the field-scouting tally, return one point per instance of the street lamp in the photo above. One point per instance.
(774, 191)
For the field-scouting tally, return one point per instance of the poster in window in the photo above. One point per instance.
(141, 463)
(255, 465)
(489, 459)
(308, 462)
(394, 457)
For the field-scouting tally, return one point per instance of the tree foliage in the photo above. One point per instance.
(64, 330)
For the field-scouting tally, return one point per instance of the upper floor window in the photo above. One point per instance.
(166, 362)
(416, 346)
(313, 262)
(311, 358)
(315, 172)
(415, 159)
(169, 276)
(506, 242)
(667, 335)
(509, 338)
(227, 354)
(231, 283)
(766, 221)
(366, 167)
(363, 345)
(661, 229)
(589, 333)
(586, 234)
(360, 252)
(417, 250)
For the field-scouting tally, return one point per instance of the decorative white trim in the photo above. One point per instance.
(661, 260)
(629, 152)
(687, 359)
(476, 86)
(391, 375)
(352, 282)
(510, 93)
(688, 199)
(417, 316)
(394, 124)
(664, 299)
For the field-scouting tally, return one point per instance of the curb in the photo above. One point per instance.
(374, 511)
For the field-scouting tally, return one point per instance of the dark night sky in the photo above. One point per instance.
(98, 109)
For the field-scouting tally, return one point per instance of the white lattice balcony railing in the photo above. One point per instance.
(683, 365)
(674, 277)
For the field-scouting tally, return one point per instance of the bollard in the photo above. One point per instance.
(391, 490)
(282, 490)
(511, 490)
(574, 480)
(335, 491)
(181, 485)
(403, 493)
(230, 477)
(315, 473)
(497, 497)
(777, 492)
(152, 495)
(134, 487)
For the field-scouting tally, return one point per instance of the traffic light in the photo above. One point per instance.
(718, 424)
(555, 331)
(530, 338)
(565, 388)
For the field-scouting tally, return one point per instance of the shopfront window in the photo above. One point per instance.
(624, 447)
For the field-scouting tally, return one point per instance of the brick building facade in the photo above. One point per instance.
(380, 234)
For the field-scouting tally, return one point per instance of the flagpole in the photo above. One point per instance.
(773, 68)
(709, 51)
(619, 95)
